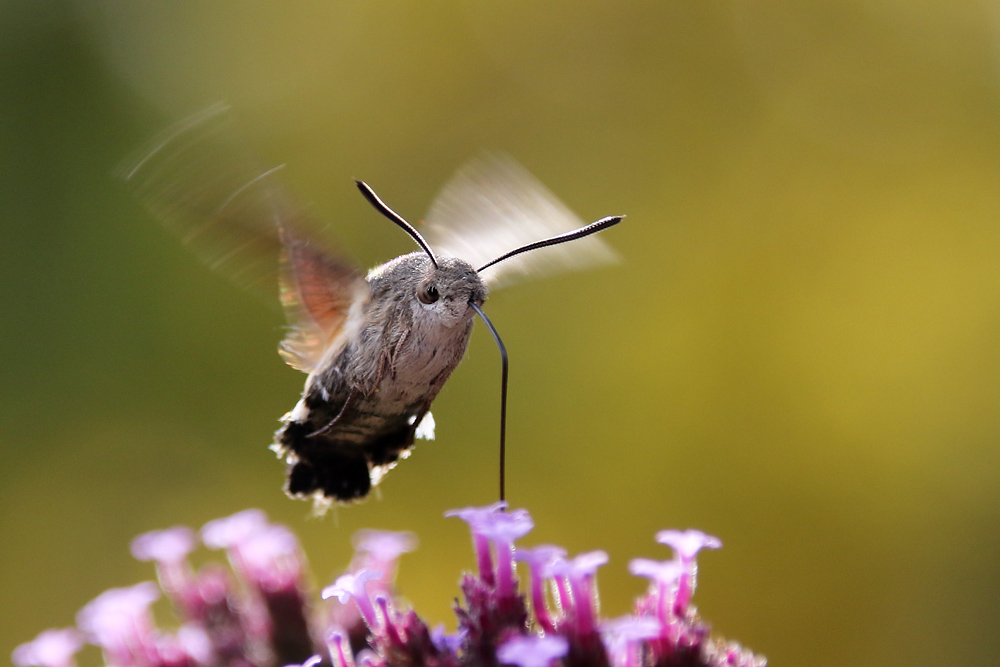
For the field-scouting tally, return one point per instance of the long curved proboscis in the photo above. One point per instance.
(382, 208)
(592, 228)
(503, 397)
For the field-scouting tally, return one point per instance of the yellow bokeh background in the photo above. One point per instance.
(800, 353)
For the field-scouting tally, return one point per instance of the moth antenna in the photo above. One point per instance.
(381, 207)
(592, 228)
(503, 397)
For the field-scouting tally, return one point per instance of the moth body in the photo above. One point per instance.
(361, 407)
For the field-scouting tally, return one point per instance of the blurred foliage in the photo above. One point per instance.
(800, 353)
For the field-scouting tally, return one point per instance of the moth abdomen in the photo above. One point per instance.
(332, 473)
(340, 449)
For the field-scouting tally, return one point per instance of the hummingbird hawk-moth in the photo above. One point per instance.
(378, 347)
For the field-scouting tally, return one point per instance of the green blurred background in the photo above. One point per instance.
(799, 354)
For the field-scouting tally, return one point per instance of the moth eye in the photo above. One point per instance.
(427, 293)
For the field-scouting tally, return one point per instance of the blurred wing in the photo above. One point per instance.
(319, 294)
(203, 184)
(493, 205)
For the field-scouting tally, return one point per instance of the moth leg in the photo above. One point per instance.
(394, 352)
(352, 398)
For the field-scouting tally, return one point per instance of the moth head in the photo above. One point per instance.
(443, 292)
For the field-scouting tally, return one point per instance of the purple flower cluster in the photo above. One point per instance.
(256, 612)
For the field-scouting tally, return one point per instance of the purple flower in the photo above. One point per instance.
(475, 517)
(492, 525)
(383, 545)
(231, 530)
(582, 565)
(369, 658)
(256, 612)
(505, 526)
(190, 647)
(379, 550)
(540, 560)
(493, 606)
(624, 636)
(532, 651)
(579, 573)
(195, 642)
(686, 545)
(119, 621)
(340, 650)
(443, 641)
(169, 549)
(271, 558)
(268, 558)
(664, 574)
(631, 628)
(314, 661)
(501, 529)
(352, 587)
(214, 604)
(51, 648)
(164, 546)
